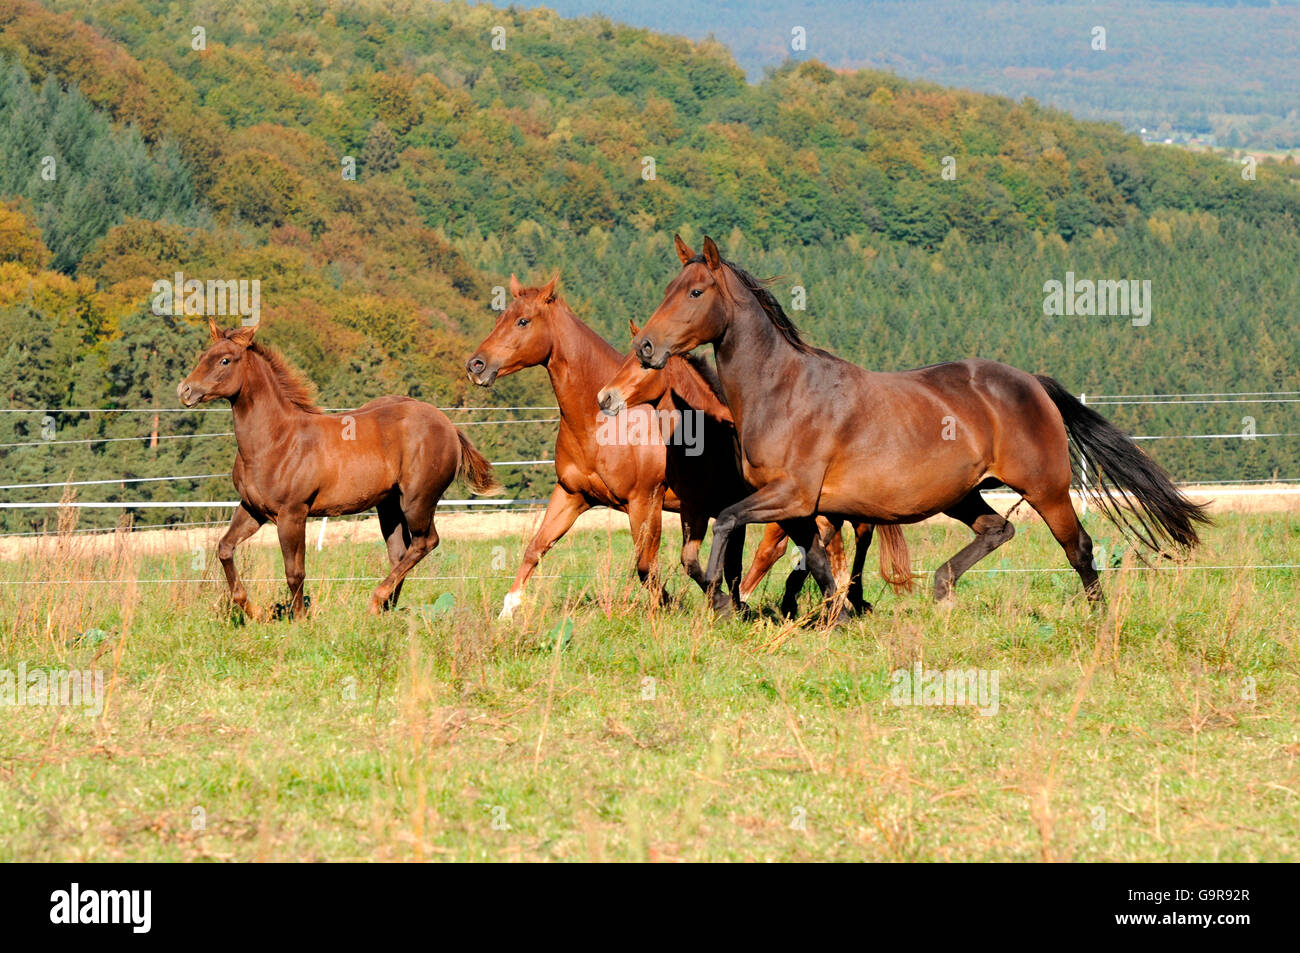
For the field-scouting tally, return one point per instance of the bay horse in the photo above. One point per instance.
(394, 454)
(671, 387)
(592, 467)
(821, 435)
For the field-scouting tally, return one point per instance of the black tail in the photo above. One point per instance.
(1152, 509)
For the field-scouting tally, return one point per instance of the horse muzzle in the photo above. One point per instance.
(611, 402)
(649, 355)
(480, 372)
(189, 395)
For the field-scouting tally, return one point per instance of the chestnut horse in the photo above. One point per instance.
(634, 384)
(592, 469)
(395, 454)
(821, 435)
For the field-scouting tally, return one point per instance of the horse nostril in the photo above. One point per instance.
(647, 349)
(476, 365)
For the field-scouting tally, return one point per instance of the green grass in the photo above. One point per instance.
(1128, 735)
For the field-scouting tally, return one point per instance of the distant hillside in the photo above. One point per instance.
(922, 222)
(1226, 71)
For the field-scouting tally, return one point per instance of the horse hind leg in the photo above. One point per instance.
(829, 531)
(991, 531)
(417, 513)
(397, 537)
(1060, 517)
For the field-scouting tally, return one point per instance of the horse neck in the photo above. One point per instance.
(688, 388)
(262, 413)
(580, 364)
(750, 353)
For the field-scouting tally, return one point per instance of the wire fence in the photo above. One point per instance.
(1240, 487)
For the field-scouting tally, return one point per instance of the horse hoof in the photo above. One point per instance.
(839, 616)
(509, 605)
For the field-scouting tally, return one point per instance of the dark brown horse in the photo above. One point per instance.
(681, 387)
(594, 466)
(394, 454)
(821, 435)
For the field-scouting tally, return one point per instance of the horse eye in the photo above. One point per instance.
(225, 361)
(522, 322)
(696, 292)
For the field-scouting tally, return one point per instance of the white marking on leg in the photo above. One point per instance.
(511, 603)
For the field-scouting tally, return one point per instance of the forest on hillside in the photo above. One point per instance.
(1220, 71)
(921, 222)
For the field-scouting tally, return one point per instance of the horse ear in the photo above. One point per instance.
(243, 335)
(711, 256)
(631, 326)
(514, 286)
(215, 333)
(547, 294)
(683, 250)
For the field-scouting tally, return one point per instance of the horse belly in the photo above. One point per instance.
(352, 482)
(343, 504)
(900, 492)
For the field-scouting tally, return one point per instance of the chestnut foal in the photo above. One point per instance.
(395, 454)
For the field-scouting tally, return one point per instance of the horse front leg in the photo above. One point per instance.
(243, 524)
(695, 525)
(804, 533)
(774, 502)
(561, 511)
(863, 533)
(646, 513)
(733, 566)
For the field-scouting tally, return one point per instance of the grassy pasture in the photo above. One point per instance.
(594, 727)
